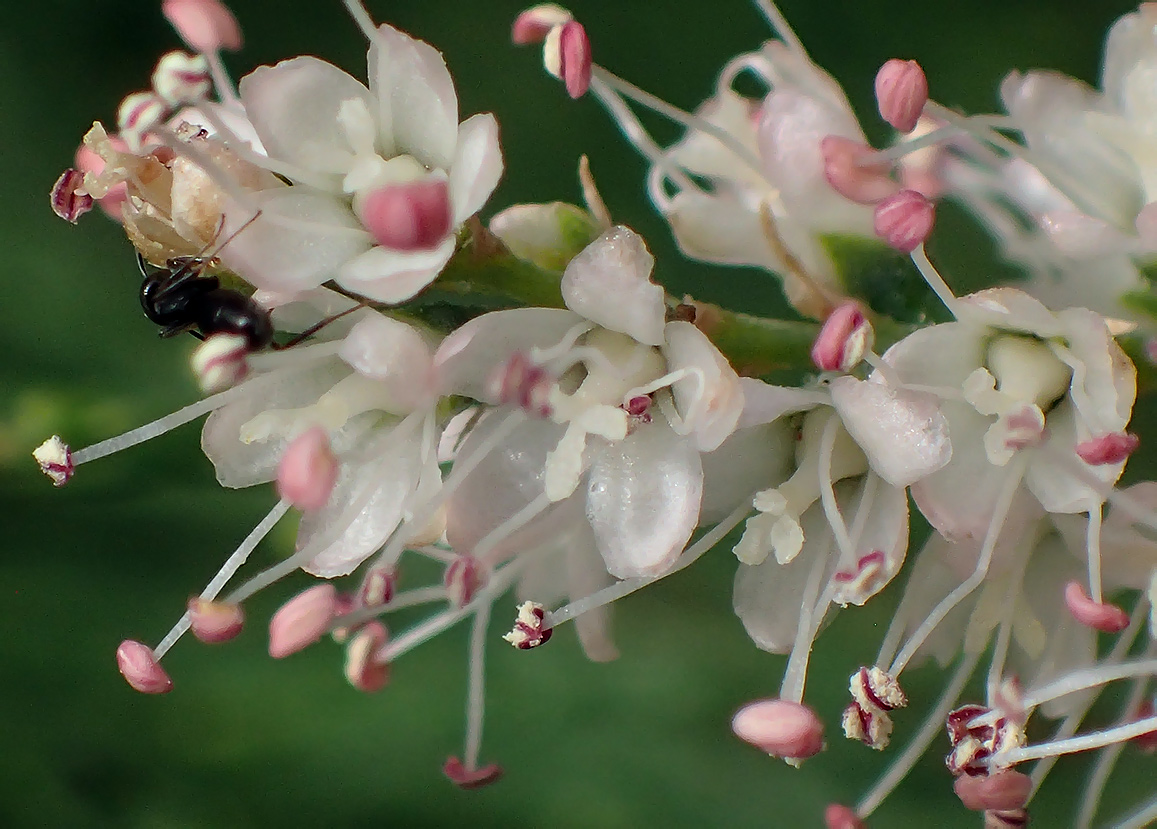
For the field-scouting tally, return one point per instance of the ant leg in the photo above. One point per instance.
(176, 330)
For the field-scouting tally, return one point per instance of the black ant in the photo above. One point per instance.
(182, 297)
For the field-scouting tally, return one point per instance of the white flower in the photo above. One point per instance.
(637, 401)
(768, 201)
(1031, 381)
(837, 529)
(382, 176)
(372, 392)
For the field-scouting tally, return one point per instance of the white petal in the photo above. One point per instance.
(885, 531)
(720, 228)
(294, 107)
(609, 282)
(939, 355)
(751, 460)
(706, 155)
(300, 240)
(418, 104)
(395, 353)
(765, 403)
(467, 358)
(1128, 555)
(1104, 385)
(239, 464)
(710, 400)
(1009, 309)
(477, 166)
(1056, 485)
(643, 498)
(903, 433)
(367, 504)
(509, 476)
(392, 276)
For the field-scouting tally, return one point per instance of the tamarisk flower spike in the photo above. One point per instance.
(780, 728)
(213, 622)
(205, 25)
(302, 620)
(901, 93)
(140, 668)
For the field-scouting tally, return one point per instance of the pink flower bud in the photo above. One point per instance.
(302, 620)
(205, 25)
(362, 669)
(905, 220)
(1108, 449)
(901, 93)
(141, 669)
(407, 217)
(780, 728)
(180, 78)
(67, 199)
(534, 24)
(843, 340)
(308, 470)
(841, 817)
(465, 778)
(575, 66)
(55, 460)
(1107, 618)
(463, 578)
(220, 362)
(850, 173)
(1002, 791)
(214, 622)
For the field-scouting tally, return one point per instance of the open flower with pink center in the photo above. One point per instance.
(382, 176)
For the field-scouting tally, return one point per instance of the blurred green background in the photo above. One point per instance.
(245, 741)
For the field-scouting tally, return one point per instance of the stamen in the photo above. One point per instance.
(476, 695)
(1090, 678)
(1000, 513)
(915, 749)
(1144, 816)
(626, 587)
(228, 569)
(795, 675)
(1103, 768)
(1086, 742)
(934, 279)
(780, 26)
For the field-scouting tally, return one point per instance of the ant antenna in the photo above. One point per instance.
(232, 236)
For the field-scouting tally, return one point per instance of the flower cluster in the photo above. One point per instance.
(595, 435)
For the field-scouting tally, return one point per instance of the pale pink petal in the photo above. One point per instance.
(765, 403)
(903, 433)
(418, 104)
(751, 460)
(609, 282)
(467, 358)
(881, 546)
(643, 521)
(300, 240)
(395, 354)
(393, 276)
(294, 107)
(477, 165)
(711, 400)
